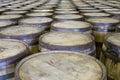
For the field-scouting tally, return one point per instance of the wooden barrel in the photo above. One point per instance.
(39, 14)
(43, 10)
(13, 18)
(101, 26)
(72, 26)
(111, 55)
(90, 11)
(11, 51)
(37, 21)
(22, 12)
(68, 17)
(69, 41)
(28, 34)
(5, 24)
(96, 15)
(60, 65)
(65, 12)
(64, 9)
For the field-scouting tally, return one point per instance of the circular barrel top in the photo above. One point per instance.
(65, 38)
(11, 48)
(68, 16)
(43, 10)
(5, 23)
(114, 39)
(66, 12)
(15, 12)
(39, 14)
(94, 10)
(71, 24)
(36, 20)
(9, 16)
(96, 14)
(59, 65)
(103, 20)
(20, 30)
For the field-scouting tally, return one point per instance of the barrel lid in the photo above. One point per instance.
(66, 12)
(60, 65)
(5, 23)
(104, 20)
(14, 12)
(9, 16)
(65, 38)
(11, 49)
(114, 39)
(64, 9)
(20, 30)
(36, 20)
(94, 10)
(43, 10)
(68, 16)
(96, 14)
(39, 14)
(2, 9)
(71, 24)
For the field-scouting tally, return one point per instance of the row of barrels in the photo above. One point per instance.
(44, 26)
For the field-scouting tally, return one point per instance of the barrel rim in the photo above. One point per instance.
(103, 77)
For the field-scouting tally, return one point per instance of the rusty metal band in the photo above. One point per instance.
(74, 29)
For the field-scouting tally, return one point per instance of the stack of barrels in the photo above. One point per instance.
(59, 39)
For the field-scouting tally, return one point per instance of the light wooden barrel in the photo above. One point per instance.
(13, 18)
(40, 14)
(5, 24)
(65, 12)
(96, 15)
(72, 26)
(11, 51)
(43, 10)
(60, 65)
(90, 11)
(102, 26)
(38, 21)
(68, 17)
(69, 41)
(110, 55)
(14, 12)
(28, 34)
